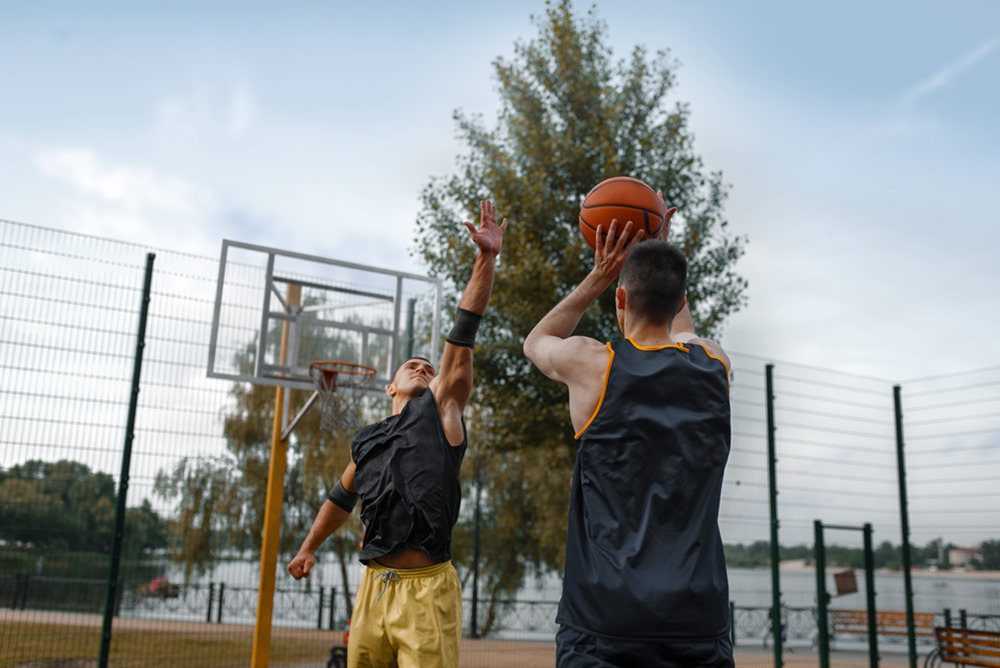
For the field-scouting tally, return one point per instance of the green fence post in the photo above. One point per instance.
(904, 524)
(116, 544)
(821, 597)
(211, 598)
(873, 656)
(222, 594)
(772, 482)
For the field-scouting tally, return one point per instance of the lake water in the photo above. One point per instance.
(532, 615)
(933, 592)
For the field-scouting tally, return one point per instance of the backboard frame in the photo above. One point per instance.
(296, 376)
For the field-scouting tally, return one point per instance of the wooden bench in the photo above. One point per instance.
(887, 623)
(965, 647)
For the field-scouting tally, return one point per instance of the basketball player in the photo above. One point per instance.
(645, 577)
(408, 610)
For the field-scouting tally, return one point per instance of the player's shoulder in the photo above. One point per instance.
(574, 357)
(711, 348)
(585, 343)
(580, 348)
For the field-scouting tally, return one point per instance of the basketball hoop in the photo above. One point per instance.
(340, 386)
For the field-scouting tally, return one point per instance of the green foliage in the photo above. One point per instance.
(64, 506)
(990, 551)
(885, 555)
(145, 530)
(755, 555)
(221, 501)
(569, 118)
(57, 505)
(49, 563)
(207, 492)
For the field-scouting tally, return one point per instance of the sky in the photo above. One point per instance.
(861, 141)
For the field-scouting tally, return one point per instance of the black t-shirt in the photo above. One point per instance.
(407, 475)
(644, 557)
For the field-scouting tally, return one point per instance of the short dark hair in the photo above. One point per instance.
(392, 378)
(654, 277)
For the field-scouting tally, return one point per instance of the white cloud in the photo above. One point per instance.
(130, 188)
(949, 73)
(131, 203)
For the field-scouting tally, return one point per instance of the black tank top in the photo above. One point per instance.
(644, 556)
(407, 478)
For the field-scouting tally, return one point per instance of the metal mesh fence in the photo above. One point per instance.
(835, 464)
(68, 321)
(952, 435)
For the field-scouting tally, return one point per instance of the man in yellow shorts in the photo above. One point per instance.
(405, 469)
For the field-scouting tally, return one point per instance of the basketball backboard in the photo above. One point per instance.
(276, 311)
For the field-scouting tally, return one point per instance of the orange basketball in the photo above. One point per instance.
(624, 199)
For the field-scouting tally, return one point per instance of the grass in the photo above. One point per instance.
(55, 645)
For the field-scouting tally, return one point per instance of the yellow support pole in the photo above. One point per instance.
(272, 510)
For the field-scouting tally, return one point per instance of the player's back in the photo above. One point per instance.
(644, 557)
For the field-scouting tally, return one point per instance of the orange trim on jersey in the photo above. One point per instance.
(678, 345)
(724, 365)
(604, 389)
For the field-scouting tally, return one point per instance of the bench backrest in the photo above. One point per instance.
(970, 647)
(886, 621)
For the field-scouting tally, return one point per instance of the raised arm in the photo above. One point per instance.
(682, 329)
(550, 345)
(488, 237)
(453, 383)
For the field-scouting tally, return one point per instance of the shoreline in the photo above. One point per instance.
(800, 566)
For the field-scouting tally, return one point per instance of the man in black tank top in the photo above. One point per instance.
(408, 609)
(645, 576)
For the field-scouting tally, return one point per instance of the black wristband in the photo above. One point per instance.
(341, 498)
(463, 332)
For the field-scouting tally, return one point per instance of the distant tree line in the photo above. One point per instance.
(886, 555)
(64, 506)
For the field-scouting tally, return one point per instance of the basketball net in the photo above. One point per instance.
(341, 386)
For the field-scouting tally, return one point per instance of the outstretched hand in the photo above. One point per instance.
(612, 250)
(489, 236)
(667, 215)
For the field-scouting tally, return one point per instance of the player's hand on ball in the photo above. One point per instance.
(667, 215)
(612, 248)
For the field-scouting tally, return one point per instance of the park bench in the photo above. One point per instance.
(965, 647)
(887, 623)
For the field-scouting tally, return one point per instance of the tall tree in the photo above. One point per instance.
(569, 118)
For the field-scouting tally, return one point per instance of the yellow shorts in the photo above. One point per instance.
(406, 617)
